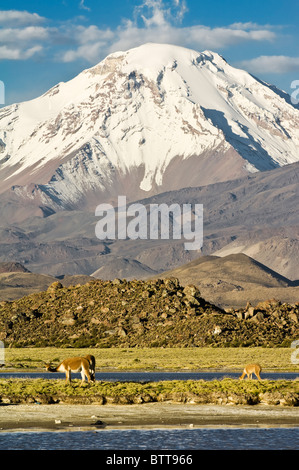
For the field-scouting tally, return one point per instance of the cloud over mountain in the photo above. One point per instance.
(24, 34)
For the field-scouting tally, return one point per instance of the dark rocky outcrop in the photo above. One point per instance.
(155, 313)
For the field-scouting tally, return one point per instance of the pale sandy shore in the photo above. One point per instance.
(61, 417)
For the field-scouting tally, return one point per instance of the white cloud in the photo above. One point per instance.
(31, 51)
(16, 17)
(92, 33)
(271, 64)
(9, 53)
(206, 37)
(14, 53)
(157, 16)
(249, 25)
(83, 6)
(22, 43)
(182, 9)
(91, 43)
(153, 21)
(30, 33)
(88, 51)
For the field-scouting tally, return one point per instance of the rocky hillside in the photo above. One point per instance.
(235, 279)
(11, 267)
(156, 313)
(16, 281)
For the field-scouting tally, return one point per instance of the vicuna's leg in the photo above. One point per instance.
(85, 373)
(92, 375)
(82, 377)
(68, 376)
(88, 375)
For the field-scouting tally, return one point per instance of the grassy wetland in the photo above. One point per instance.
(154, 359)
(225, 391)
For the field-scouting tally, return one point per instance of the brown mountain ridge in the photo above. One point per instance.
(234, 280)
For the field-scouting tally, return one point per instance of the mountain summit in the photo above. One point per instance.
(151, 119)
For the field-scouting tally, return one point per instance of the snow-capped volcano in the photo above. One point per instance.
(153, 118)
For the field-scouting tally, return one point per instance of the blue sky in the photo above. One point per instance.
(43, 43)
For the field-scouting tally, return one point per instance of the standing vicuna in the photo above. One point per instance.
(251, 369)
(92, 366)
(85, 365)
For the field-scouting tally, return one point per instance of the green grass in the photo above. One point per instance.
(214, 391)
(176, 359)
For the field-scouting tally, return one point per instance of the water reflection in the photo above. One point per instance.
(150, 376)
(172, 439)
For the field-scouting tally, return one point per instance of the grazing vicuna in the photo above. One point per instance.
(85, 365)
(251, 369)
(92, 366)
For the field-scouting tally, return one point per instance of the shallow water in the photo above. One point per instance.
(157, 439)
(283, 438)
(150, 376)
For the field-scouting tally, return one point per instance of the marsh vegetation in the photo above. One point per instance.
(225, 391)
(153, 359)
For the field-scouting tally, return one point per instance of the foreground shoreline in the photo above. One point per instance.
(70, 417)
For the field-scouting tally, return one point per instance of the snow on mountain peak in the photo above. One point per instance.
(140, 111)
